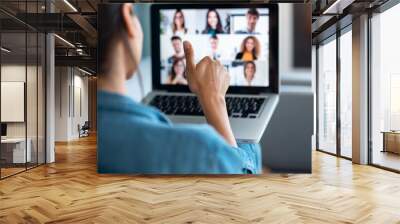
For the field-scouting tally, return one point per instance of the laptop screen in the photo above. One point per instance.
(238, 36)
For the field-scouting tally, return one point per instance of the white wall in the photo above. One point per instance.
(71, 103)
(80, 109)
(62, 82)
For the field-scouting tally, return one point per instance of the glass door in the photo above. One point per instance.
(345, 92)
(14, 154)
(22, 91)
(326, 140)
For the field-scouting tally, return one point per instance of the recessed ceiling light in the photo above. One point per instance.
(70, 5)
(65, 41)
(5, 50)
(337, 7)
(84, 71)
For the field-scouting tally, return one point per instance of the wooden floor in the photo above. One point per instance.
(386, 159)
(70, 191)
(5, 172)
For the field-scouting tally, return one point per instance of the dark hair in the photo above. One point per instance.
(214, 36)
(219, 24)
(245, 66)
(176, 38)
(257, 46)
(174, 28)
(254, 12)
(110, 27)
(173, 73)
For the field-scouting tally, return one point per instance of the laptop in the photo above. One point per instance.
(242, 36)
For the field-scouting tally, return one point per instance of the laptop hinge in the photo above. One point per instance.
(160, 91)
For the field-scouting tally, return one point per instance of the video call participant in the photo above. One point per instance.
(252, 17)
(249, 70)
(213, 23)
(177, 74)
(178, 23)
(214, 54)
(176, 42)
(249, 49)
(147, 141)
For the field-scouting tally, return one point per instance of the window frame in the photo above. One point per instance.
(334, 37)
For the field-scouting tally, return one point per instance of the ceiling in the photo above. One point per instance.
(75, 21)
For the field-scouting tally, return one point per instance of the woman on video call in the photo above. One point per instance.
(249, 70)
(177, 74)
(134, 138)
(249, 49)
(178, 24)
(213, 23)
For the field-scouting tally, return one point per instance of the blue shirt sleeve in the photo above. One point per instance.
(200, 149)
(163, 148)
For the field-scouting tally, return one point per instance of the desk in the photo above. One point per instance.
(391, 141)
(13, 150)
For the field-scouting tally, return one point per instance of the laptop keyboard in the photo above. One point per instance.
(243, 107)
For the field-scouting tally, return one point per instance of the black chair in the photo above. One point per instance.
(84, 130)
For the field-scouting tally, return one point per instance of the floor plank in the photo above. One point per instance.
(71, 191)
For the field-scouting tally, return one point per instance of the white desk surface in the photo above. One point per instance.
(21, 154)
(13, 140)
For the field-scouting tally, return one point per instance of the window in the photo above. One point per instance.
(327, 96)
(346, 94)
(335, 74)
(385, 89)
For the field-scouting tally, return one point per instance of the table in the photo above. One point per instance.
(13, 150)
(391, 141)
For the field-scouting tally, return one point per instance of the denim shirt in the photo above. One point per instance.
(137, 139)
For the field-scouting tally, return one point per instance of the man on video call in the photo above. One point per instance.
(214, 54)
(177, 44)
(252, 17)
